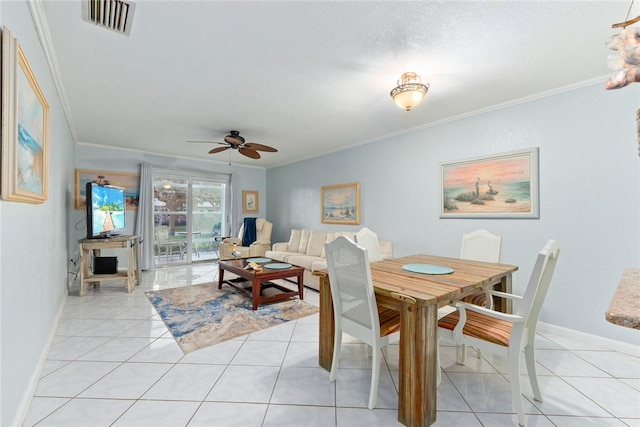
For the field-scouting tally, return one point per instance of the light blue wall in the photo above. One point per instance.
(107, 159)
(589, 191)
(33, 242)
(589, 194)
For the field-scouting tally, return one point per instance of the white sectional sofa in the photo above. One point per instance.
(305, 248)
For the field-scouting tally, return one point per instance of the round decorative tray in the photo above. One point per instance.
(258, 260)
(278, 266)
(428, 268)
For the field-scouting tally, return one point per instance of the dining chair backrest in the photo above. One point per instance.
(369, 240)
(354, 301)
(480, 245)
(539, 281)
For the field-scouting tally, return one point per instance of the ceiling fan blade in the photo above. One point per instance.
(209, 142)
(218, 150)
(249, 152)
(260, 147)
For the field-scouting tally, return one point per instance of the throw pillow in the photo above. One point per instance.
(304, 241)
(316, 242)
(294, 241)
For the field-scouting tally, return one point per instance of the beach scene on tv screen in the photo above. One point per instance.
(108, 209)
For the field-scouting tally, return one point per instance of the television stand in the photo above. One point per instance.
(90, 248)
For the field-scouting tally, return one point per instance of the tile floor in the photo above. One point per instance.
(113, 363)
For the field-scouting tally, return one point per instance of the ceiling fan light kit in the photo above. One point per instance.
(410, 91)
(237, 142)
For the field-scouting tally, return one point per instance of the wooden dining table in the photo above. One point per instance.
(417, 296)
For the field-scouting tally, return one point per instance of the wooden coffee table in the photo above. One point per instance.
(261, 280)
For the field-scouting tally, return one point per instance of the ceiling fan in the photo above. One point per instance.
(237, 142)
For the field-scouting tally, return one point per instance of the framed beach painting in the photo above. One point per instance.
(341, 204)
(25, 128)
(498, 186)
(250, 202)
(129, 181)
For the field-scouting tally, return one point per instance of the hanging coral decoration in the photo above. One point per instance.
(626, 60)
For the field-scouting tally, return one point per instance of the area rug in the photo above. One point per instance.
(202, 315)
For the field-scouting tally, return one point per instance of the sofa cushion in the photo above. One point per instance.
(316, 242)
(304, 241)
(302, 260)
(294, 241)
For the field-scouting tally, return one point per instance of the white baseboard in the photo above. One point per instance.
(25, 402)
(622, 347)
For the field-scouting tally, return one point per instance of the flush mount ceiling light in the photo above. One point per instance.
(409, 91)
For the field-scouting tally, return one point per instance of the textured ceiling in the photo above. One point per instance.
(311, 77)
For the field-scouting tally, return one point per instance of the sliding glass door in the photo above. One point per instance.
(190, 215)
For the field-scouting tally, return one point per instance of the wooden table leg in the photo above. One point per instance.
(301, 286)
(138, 265)
(220, 277)
(504, 305)
(418, 364)
(131, 267)
(327, 325)
(84, 269)
(256, 292)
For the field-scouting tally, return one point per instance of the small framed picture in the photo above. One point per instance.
(250, 202)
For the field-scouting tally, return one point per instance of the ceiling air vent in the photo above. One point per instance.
(115, 15)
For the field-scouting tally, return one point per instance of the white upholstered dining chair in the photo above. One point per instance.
(369, 240)
(479, 245)
(507, 334)
(355, 309)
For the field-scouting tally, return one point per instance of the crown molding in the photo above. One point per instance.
(42, 29)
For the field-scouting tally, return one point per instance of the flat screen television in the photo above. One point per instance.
(105, 210)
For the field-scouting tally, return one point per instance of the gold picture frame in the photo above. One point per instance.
(129, 181)
(25, 128)
(341, 204)
(250, 202)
